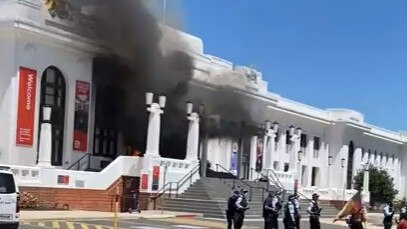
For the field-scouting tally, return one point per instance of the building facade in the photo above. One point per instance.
(46, 63)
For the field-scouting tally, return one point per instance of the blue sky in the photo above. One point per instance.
(325, 53)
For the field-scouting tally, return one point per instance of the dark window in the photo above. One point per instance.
(314, 175)
(286, 167)
(53, 91)
(349, 177)
(7, 185)
(105, 143)
(287, 137)
(317, 143)
(277, 137)
(303, 141)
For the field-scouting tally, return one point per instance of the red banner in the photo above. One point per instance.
(26, 106)
(81, 122)
(63, 179)
(144, 181)
(156, 178)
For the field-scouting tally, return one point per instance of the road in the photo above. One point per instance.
(176, 223)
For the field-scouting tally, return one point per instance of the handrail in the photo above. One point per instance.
(276, 181)
(187, 176)
(177, 185)
(248, 185)
(78, 161)
(262, 175)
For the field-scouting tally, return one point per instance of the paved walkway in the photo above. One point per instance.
(40, 215)
(374, 219)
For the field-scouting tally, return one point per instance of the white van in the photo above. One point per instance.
(9, 200)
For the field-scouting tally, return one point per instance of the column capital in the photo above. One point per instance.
(193, 117)
(155, 109)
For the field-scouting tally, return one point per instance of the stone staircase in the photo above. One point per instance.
(208, 196)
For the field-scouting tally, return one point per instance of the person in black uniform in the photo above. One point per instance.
(297, 211)
(231, 208)
(314, 212)
(271, 208)
(289, 213)
(388, 215)
(241, 208)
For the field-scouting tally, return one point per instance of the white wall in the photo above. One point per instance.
(8, 92)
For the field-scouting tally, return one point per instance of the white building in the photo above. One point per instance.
(45, 62)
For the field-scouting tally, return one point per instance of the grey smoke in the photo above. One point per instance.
(136, 63)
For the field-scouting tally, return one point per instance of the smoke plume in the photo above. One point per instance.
(143, 56)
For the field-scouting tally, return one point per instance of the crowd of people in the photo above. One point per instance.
(273, 207)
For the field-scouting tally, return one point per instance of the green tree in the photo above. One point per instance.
(380, 184)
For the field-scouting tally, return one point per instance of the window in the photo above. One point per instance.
(287, 137)
(317, 146)
(105, 143)
(315, 176)
(277, 138)
(287, 141)
(349, 177)
(286, 167)
(7, 185)
(275, 165)
(303, 143)
(53, 91)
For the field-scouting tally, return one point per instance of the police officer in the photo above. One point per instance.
(403, 210)
(314, 212)
(388, 215)
(241, 208)
(231, 208)
(297, 211)
(271, 207)
(289, 213)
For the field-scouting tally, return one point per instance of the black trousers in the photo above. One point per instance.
(314, 223)
(229, 218)
(298, 222)
(288, 223)
(271, 222)
(238, 219)
(387, 225)
(356, 225)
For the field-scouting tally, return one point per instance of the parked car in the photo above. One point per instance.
(9, 200)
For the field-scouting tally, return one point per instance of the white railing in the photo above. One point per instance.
(48, 177)
(329, 193)
(26, 174)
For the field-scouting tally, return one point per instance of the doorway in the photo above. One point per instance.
(53, 92)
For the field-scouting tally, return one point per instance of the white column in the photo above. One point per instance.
(397, 173)
(253, 154)
(377, 159)
(153, 134)
(270, 149)
(384, 162)
(365, 157)
(371, 158)
(45, 150)
(366, 183)
(357, 161)
(193, 137)
(294, 148)
(265, 153)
